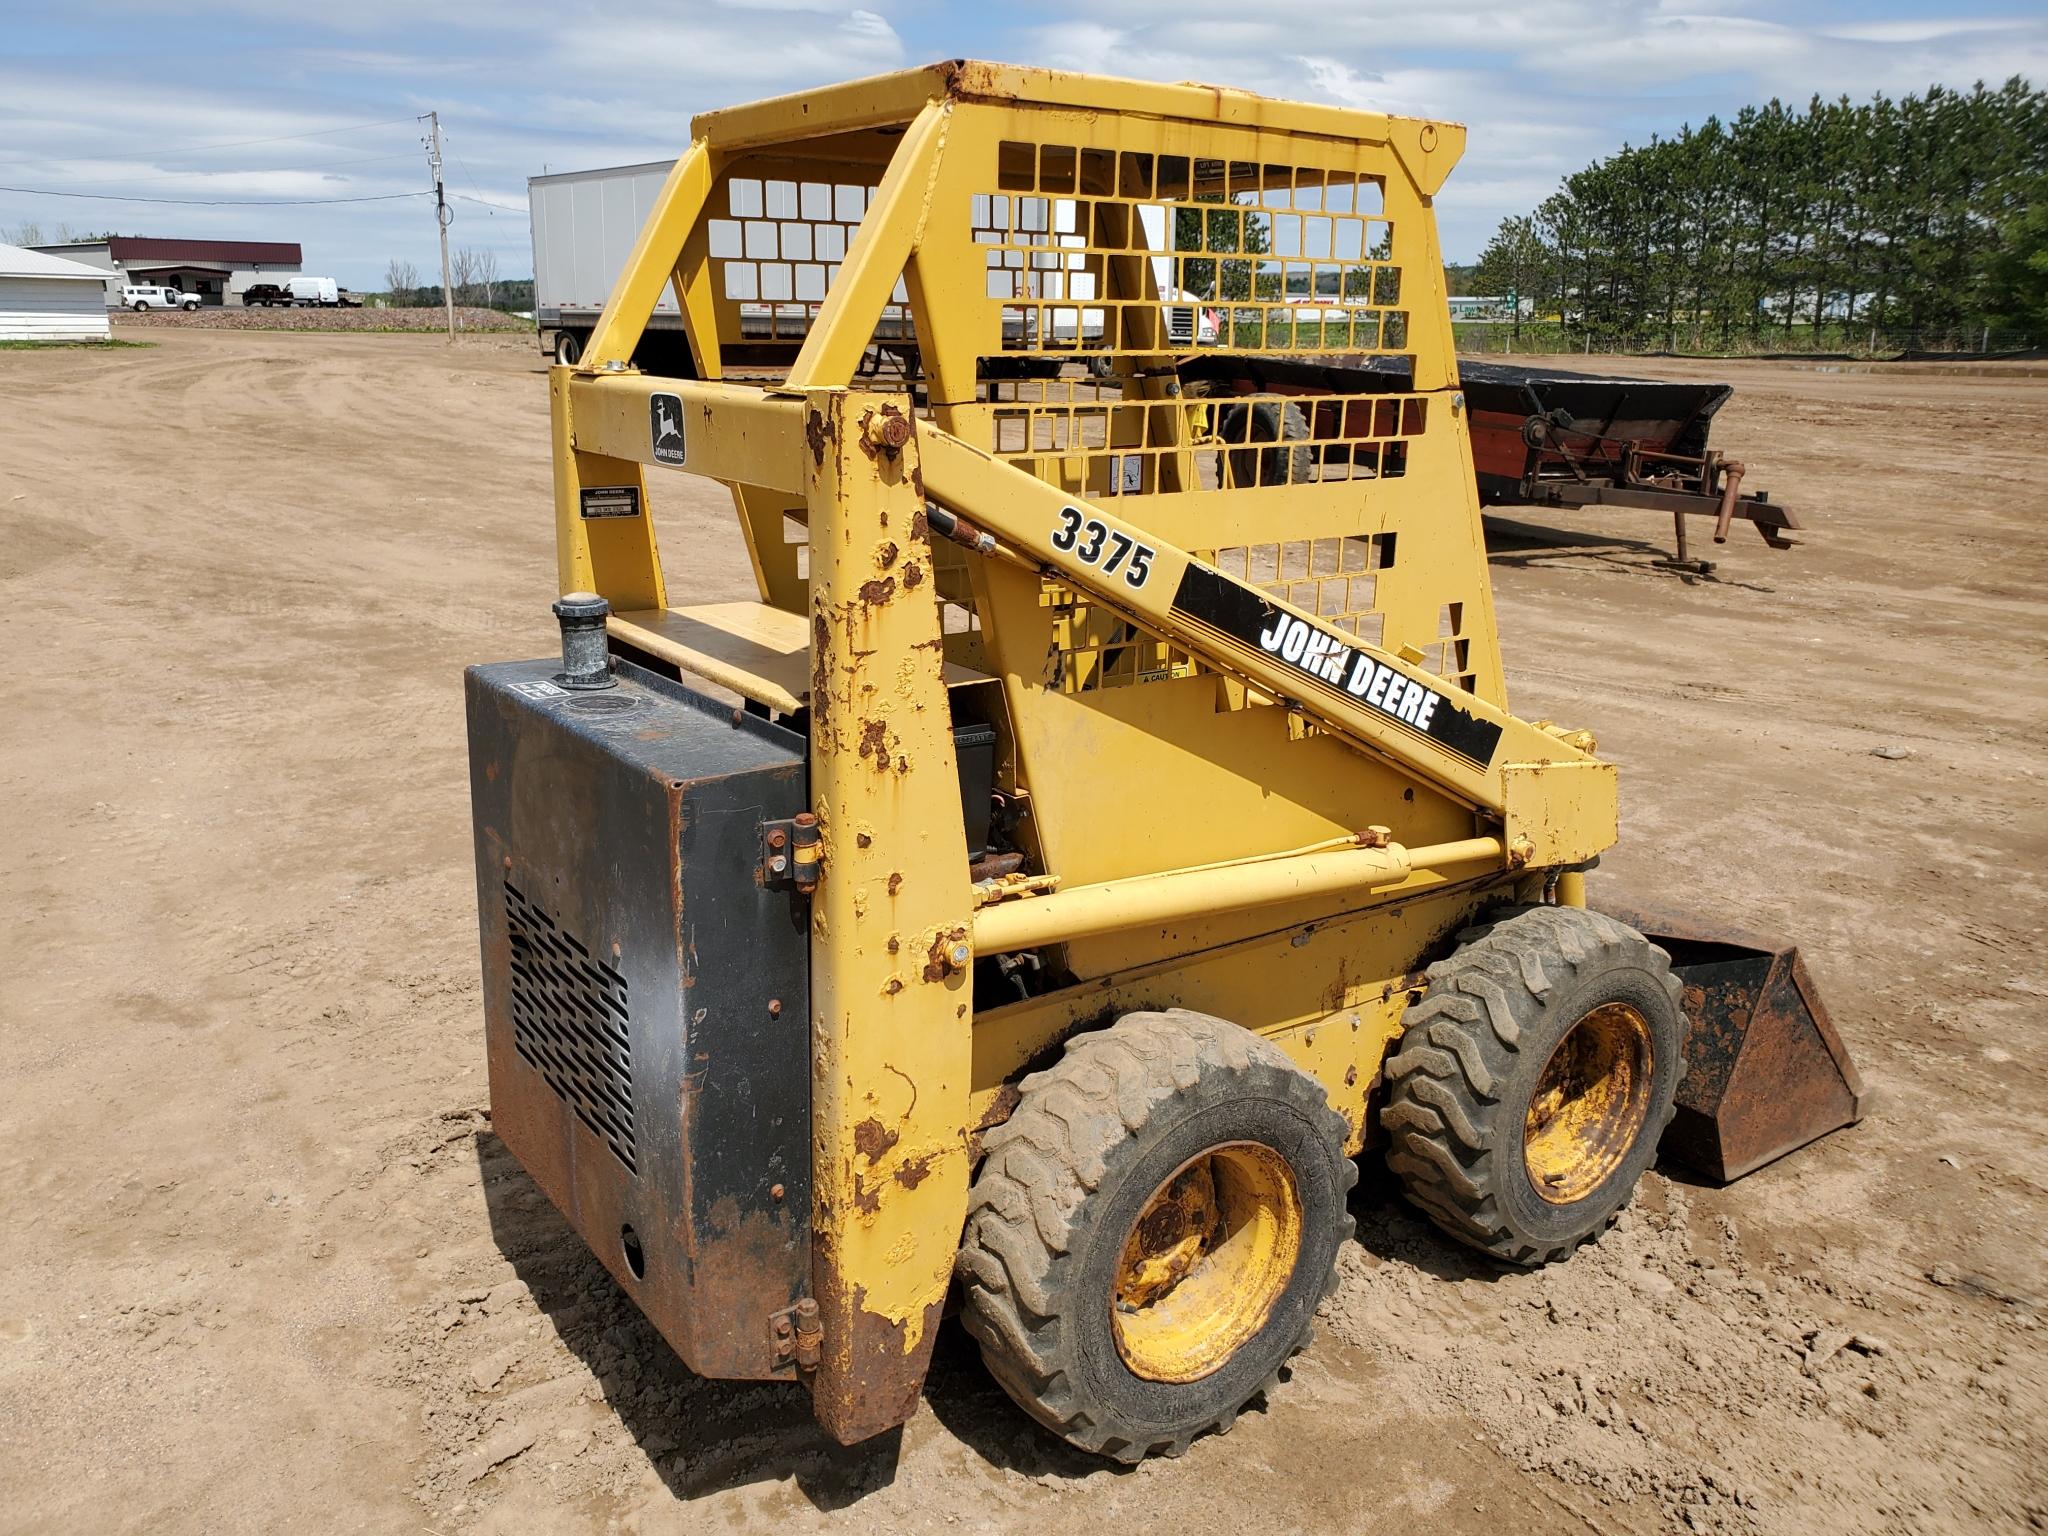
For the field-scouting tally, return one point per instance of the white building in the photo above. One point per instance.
(218, 271)
(46, 298)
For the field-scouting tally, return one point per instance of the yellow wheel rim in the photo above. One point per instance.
(1206, 1262)
(1590, 1104)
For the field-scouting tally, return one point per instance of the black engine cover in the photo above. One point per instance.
(646, 996)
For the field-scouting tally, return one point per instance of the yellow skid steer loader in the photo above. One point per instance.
(1107, 821)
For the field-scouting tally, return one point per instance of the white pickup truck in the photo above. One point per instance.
(142, 297)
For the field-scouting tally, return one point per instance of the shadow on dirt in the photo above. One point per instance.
(706, 1437)
(1528, 546)
(975, 1411)
(1394, 1232)
(703, 1437)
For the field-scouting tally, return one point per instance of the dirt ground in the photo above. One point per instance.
(266, 1267)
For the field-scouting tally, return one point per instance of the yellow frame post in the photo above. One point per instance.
(890, 999)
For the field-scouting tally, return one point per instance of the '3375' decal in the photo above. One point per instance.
(1095, 543)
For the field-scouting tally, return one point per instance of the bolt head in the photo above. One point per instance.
(960, 954)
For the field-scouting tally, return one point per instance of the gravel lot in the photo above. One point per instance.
(267, 1267)
(233, 317)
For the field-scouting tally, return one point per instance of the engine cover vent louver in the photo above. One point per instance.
(569, 1021)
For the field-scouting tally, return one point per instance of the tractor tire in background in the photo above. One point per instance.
(1267, 419)
(1152, 1230)
(1534, 1079)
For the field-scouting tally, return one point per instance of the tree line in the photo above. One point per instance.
(472, 273)
(1900, 221)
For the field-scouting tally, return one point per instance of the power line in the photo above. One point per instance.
(468, 176)
(501, 207)
(215, 202)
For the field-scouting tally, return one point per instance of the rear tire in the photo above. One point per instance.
(1128, 1336)
(1534, 1080)
(568, 348)
(1267, 419)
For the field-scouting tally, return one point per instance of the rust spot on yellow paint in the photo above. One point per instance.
(938, 964)
(874, 742)
(895, 883)
(913, 575)
(862, 840)
(885, 554)
(871, 1138)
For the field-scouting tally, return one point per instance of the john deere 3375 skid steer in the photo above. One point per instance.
(1107, 822)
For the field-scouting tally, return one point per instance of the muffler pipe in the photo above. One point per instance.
(586, 656)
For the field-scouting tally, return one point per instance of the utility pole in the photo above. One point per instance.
(441, 216)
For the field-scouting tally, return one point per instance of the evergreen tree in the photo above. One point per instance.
(1919, 215)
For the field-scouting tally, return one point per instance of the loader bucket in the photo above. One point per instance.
(1766, 1073)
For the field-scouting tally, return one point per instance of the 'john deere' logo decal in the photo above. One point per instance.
(665, 421)
(1325, 664)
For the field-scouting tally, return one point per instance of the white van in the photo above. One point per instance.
(312, 292)
(146, 296)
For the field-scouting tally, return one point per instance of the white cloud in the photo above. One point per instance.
(1543, 85)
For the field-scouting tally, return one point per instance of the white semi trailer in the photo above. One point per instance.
(584, 226)
(585, 223)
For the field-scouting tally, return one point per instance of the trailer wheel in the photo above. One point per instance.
(1151, 1232)
(568, 348)
(1534, 1079)
(1267, 419)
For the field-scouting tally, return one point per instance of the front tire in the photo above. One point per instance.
(190, 305)
(1534, 1080)
(1152, 1230)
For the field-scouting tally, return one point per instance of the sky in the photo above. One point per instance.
(238, 101)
